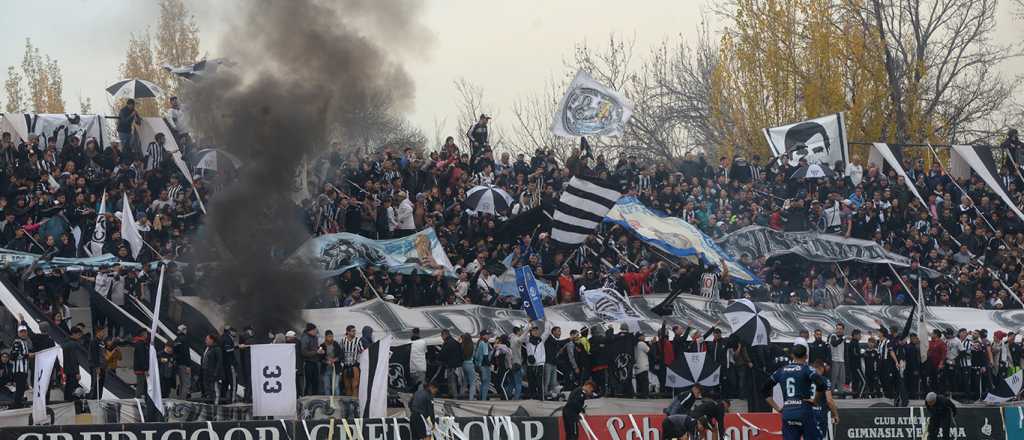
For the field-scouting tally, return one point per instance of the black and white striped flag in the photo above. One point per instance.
(373, 379)
(1008, 389)
(582, 207)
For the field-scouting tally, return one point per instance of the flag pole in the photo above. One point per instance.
(368, 284)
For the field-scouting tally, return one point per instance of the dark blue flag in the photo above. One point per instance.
(529, 292)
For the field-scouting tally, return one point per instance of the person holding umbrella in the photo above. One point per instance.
(127, 118)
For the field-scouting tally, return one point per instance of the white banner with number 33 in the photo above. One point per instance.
(273, 380)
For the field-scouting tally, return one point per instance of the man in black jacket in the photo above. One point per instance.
(183, 363)
(140, 361)
(820, 350)
(211, 368)
(478, 137)
(97, 347)
(451, 360)
(574, 407)
(73, 352)
(941, 412)
(227, 345)
(421, 411)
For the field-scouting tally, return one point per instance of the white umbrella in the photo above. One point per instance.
(215, 159)
(488, 199)
(747, 323)
(134, 88)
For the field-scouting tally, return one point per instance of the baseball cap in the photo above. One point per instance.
(290, 334)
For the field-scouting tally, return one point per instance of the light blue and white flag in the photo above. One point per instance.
(506, 282)
(333, 254)
(17, 260)
(675, 236)
(529, 292)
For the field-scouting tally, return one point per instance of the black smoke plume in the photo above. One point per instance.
(304, 72)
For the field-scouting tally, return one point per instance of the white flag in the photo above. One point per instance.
(820, 140)
(41, 389)
(273, 380)
(589, 108)
(99, 234)
(153, 377)
(130, 230)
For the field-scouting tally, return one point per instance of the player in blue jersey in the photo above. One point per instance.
(823, 402)
(796, 380)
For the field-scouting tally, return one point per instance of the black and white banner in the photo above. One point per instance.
(589, 108)
(581, 208)
(820, 140)
(45, 361)
(610, 305)
(911, 423)
(373, 378)
(58, 125)
(273, 380)
(760, 241)
(981, 161)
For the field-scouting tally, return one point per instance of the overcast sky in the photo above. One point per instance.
(510, 48)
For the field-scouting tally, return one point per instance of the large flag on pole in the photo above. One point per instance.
(99, 234)
(890, 158)
(154, 398)
(41, 386)
(582, 206)
(981, 161)
(273, 390)
(589, 108)
(529, 292)
(129, 229)
(373, 379)
(819, 140)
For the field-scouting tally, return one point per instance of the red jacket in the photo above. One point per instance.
(936, 353)
(635, 281)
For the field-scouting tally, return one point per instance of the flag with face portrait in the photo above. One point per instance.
(589, 108)
(821, 140)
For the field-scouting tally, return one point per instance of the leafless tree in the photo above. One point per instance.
(940, 63)
(531, 123)
(469, 106)
(670, 89)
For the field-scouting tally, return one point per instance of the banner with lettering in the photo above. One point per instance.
(910, 423)
(273, 380)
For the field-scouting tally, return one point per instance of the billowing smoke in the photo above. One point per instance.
(303, 75)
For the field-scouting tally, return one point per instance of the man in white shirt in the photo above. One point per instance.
(417, 358)
(176, 118)
(405, 224)
(536, 359)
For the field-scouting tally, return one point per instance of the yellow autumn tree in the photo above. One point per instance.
(783, 61)
(14, 90)
(177, 42)
(44, 80)
(139, 64)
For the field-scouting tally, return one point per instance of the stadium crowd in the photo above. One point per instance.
(50, 195)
